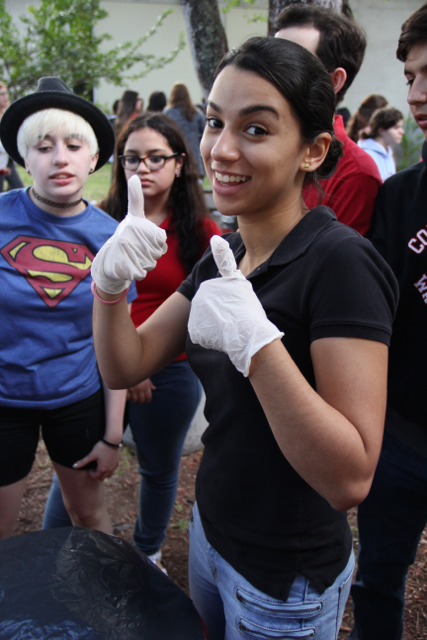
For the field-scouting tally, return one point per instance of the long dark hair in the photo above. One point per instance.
(127, 107)
(302, 80)
(157, 102)
(186, 200)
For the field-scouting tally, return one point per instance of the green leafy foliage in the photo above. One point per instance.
(59, 40)
(232, 4)
(411, 144)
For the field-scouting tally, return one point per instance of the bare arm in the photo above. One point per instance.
(127, 356)
(107, 458)
(331, 437)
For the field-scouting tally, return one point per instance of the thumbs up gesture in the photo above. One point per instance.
(226, 314)
(134, 248)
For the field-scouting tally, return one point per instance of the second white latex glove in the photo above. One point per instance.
(134, 248)
(226, 314)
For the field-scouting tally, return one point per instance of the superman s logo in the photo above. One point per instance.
(53, 268)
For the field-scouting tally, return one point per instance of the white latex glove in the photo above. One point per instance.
(134, 248)
(226, 314)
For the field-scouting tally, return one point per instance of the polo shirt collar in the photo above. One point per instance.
(296, 242)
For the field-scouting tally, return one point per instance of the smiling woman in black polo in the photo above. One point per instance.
(291, 349)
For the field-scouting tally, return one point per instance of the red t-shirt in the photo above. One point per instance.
(164, 280)
(352, 190)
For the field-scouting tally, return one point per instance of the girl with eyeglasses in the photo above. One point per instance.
(163, 405)
(286, 323)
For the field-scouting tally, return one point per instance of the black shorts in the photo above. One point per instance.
(70, 433)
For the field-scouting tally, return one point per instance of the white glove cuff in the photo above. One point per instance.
(259, 336)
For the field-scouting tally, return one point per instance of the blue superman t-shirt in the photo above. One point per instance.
(47, 359)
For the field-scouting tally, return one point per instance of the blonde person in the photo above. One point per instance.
(48, 375)
(290, 347)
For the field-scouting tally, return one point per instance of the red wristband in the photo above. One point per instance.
(108, 302)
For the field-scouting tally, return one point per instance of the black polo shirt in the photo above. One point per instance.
(323, 280)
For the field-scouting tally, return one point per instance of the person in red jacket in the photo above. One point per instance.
(339, 43)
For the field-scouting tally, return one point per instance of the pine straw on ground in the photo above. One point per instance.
(122, 492)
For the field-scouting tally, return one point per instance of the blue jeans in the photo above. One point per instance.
(232, 609)
(159, 429)
(55, 514)
(391, 521)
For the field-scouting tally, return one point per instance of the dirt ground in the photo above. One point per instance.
(122, 491)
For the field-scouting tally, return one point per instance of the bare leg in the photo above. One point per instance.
(84, 499)
(10, 504)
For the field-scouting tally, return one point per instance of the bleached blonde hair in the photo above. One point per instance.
(54, 122)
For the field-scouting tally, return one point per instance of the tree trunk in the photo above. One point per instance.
(207, 38)
(276, 6)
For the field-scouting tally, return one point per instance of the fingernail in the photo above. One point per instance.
(76, 464)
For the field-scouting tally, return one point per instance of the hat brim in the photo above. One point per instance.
(15, 115)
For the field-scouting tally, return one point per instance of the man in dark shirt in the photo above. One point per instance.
(339, 43)
(394, 514)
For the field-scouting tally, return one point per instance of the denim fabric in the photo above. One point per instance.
(232, 609)
(55, 514)
(391, 521)
(159, 429)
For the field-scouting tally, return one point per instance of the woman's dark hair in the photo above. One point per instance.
(302, 80)
(127, 106)
(414, 31)
(186, 200)
(360, 119)
(156, 102)
(383, 119)
(181, 98)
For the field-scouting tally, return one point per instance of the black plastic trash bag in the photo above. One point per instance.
(80, 584)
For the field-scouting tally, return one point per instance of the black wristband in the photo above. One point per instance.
(110, 444)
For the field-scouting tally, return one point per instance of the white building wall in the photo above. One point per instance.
(129, 19)
(381, 72)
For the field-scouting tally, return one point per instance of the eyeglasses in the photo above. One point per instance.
(153, 163)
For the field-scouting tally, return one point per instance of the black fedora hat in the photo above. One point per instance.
(53, 93)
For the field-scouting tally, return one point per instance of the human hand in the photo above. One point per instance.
(107, 460)
(141, 392)
(134, 248)
(226, 314)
